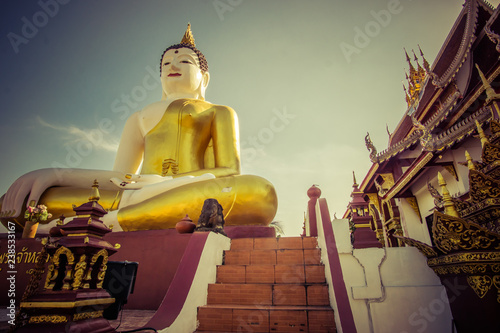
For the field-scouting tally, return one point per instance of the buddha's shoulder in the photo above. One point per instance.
(221, 108)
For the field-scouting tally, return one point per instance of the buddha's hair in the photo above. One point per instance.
(201, 57)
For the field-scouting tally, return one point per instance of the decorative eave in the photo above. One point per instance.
(437, 144)
(397, 148)
(459, 131)
(418, 135)
(462, 33)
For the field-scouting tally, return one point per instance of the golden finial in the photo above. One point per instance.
(490, 92)
(449, 206)
(94, 195)
(407, 97)
(482, 136)
(470, 163)
(188, 38)
(426, 64)
(355, 184)
(412, 69)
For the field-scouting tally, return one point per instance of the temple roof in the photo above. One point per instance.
(448, 84)
(446, 109)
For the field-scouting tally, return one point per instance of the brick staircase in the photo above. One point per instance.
(269, 285)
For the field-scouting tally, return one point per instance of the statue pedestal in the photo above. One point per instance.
(67, 311)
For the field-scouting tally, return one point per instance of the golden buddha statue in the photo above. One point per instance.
(189, 152)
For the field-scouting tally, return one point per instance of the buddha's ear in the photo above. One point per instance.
(206, 79)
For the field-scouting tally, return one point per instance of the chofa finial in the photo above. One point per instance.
(188, 38)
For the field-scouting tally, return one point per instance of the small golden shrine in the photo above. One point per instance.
(72, 296)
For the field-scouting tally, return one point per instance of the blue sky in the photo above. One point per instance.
(308, 79)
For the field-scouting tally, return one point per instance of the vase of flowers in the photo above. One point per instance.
(33, 216)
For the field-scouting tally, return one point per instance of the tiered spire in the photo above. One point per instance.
(415, 78)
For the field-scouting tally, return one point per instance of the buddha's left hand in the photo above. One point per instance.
(135, 182)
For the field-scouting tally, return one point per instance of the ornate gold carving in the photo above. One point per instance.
(425, 249)
(412, 201)
(88, 315)
(373, 199)
(480, 284)
(496, 283)
(51, 276)
(455, 234)
(468, 257)
(80, 268)
(458, 269)
(451, 170)
(102, 268)
(53, 271)
(494, 126)
(482, 186)
(385, 184)
(491, 153)
(53, 319)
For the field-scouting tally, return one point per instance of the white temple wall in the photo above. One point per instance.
(412, 223)
(391, 289)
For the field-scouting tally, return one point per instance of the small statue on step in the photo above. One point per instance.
(211, 217)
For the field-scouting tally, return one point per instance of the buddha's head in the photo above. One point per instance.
(184, 69)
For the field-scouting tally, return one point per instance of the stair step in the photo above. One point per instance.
(270, 274)
(274, 243)
(266, 319)
(269, 285)
(273, 257)
(268, 294)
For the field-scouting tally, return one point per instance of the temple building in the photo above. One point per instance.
(436, 185)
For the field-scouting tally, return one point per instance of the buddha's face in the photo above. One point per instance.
(181, 73)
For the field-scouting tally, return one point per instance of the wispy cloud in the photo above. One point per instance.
(73, 134)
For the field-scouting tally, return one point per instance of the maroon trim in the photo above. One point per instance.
(339, 288)
(313, 221)
(176, 295)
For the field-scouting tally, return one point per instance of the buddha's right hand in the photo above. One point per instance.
(33, 183)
